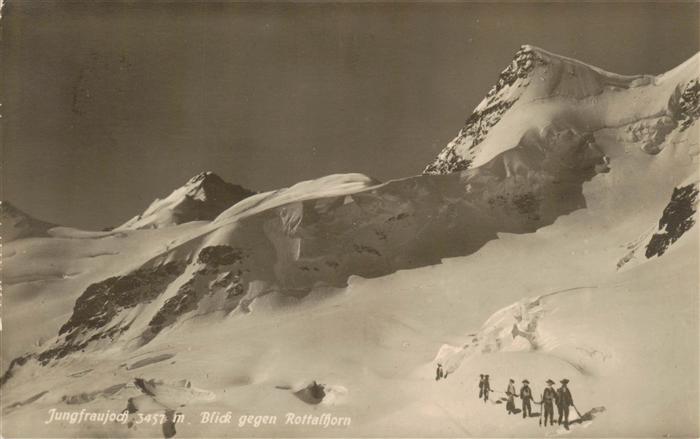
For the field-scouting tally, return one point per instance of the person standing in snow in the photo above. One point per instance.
(564, 401)
(487, 388)
(481, 386)
(548, 398)
(526, 397)
(560, 411)
(510, 392)
(439, 373)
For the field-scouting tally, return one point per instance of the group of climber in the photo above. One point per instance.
(551, 397)
(561, 398)
(440, 373)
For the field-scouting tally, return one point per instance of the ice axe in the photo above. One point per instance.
(541, 408)
(577, 412)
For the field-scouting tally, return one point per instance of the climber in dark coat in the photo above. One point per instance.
(487, 388)
(526, 396)
(549, 397)
(481, 385)
(560, 411)
(511, 394)
(564, 400)
(439, 373)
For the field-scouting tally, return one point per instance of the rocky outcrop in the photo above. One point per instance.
(102, 311)
(221, 272)
(208, 197)
(101, 302)
(95, 315)
(689, 104)
(217, 255)
(678, 218)
(522, 65)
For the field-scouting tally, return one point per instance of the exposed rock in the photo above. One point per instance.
(366, 249)
(678, 218)
(9, 408)
(689, 104)
(203, 197)
(102, 301)
(190, 294)
(523, 63)
(15, 363)
(219, 255)
(487, 114)
(184, 301)
(85, 397)
(312, 394)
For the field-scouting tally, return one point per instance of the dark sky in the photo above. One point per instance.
(107, 106)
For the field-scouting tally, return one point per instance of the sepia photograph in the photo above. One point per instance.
(320, 219)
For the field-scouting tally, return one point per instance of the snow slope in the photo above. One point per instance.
(511, 267)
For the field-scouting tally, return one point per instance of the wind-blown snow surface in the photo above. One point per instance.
(511, 267)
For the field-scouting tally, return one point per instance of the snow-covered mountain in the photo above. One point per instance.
(543, 96)
(15, 224)
(203, 197)
(540, 243)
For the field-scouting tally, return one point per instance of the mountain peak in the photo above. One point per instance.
(505, 92)
(543, 92)
(202, 176)
(16, 224)
(530, 47)
(538, 51)
(202, 198)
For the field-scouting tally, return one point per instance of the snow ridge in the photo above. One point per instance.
(16, 224)
(540, 89)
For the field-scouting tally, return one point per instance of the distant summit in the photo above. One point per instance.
(544, 95)
(203, 197)
(16, 224)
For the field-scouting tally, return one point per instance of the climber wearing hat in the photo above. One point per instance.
(526, 396)
(510, 393)
(481, 385)
(564, 400)
(548, 398)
